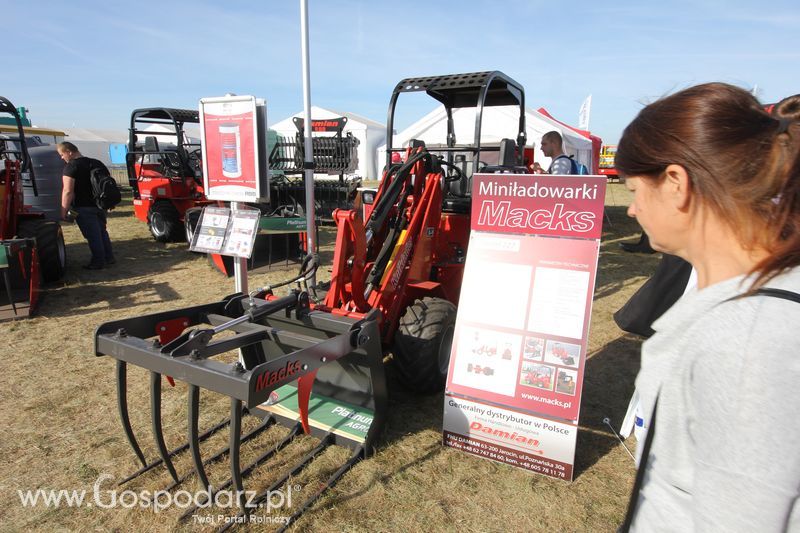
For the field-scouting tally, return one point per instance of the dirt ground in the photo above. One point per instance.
(61, 430)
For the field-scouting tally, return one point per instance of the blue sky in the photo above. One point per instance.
(88, 64)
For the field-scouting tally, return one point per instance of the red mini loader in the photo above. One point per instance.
(31, 248)
(164, 170)
(313, 362)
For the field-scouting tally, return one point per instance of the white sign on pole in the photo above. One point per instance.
(583, 114)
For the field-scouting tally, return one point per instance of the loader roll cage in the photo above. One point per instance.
(488, 89)
(20, 148)
(179, 163)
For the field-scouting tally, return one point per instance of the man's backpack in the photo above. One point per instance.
(105, 190)
(576, 168)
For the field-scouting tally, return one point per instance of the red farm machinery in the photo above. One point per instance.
(312, 360)
(165, 170)
(607, 167)
(32, 248)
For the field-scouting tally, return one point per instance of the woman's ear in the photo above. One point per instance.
(678, 186)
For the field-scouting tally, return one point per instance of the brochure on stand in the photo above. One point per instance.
(227, 232)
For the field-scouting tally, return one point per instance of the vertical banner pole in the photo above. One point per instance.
(309, 156)
(239, 264)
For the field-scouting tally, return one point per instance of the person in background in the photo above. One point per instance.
(716, 181)
(553, 147)
(76, 193)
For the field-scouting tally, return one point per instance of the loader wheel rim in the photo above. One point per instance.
(158, 224)
(62, 251)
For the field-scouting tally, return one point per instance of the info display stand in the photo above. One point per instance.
(519, 347)
(224, 231)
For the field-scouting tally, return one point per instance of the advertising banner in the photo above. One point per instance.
(519, 348)
(233, 167)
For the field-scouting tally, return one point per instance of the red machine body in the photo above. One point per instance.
(403, 253)
(32, 249)
(165, 171)
(427, 259)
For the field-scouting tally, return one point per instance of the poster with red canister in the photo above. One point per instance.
(519, 346)
(229, 138)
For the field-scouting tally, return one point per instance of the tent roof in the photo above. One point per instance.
(320, 113)
(494, 127)
(81, 134)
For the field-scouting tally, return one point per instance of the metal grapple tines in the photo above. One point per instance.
(312, 371)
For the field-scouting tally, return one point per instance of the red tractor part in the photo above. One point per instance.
(164, 170)
(32, 249)
(406, 259)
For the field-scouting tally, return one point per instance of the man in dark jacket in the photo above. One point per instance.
(77, 194)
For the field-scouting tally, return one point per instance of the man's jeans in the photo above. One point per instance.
(92, 223)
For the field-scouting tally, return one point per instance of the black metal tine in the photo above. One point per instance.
(7, 283)
(356, 457)
(122, 404)
(252, 466)
(254, 433)
(235, 445)
(174, 452)
(155, 414)
(326, 441)
(194, 442)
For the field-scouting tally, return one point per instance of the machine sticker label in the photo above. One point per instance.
(324, 413)
(516, 373)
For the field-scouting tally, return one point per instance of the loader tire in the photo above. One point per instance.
(190, 220)
(50, 247)
(422, 344)
(165, 222)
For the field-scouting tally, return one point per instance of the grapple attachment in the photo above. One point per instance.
(312, 371)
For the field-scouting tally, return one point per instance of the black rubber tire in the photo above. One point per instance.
(165, 222)
(422, 344)
(190, 220)
(50, 247)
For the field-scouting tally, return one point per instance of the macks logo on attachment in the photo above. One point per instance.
(271, 377)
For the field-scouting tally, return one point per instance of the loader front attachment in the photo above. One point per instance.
(19, 278)
(309, 370)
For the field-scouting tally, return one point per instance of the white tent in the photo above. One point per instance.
(370, 134)
(95, 143)
(498, 123)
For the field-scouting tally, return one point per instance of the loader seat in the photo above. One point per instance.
(150, 144)
(507, 160)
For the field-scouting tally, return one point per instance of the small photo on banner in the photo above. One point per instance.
(563, 353)
(538, 375)
(487, 360)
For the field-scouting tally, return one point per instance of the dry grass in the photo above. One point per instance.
(61, 429)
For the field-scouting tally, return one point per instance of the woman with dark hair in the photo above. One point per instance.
(716, 181)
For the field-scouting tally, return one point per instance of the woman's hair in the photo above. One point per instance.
(66, 146)
(742, 163)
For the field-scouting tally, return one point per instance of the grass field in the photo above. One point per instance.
(61, 429)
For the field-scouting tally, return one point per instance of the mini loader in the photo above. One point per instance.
(312, 360)
(166, 178)
(31, 248)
